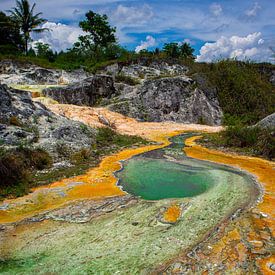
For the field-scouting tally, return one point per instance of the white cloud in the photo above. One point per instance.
(132, 15)
(60, 37)
(251, 47)
(252, 12)
(216, 9)
(150, 42)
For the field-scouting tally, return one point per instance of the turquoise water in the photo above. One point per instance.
(168, 173)
(154, 179)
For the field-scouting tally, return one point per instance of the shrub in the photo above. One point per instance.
(253, 140)
(245, 95)
(126, 79)
(81, 156)
(16, 167)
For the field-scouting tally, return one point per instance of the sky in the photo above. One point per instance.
(241, 29)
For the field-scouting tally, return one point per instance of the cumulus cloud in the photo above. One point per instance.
(252, 47)
(216, 9)
(59, 37)
(150, 42)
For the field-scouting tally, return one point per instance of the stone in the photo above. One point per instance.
(87, 92)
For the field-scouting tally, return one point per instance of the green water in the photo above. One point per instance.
(169, 173)
(154, 179)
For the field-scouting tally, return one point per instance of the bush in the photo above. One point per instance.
(244, 92)
(253, 140)
(16, 167)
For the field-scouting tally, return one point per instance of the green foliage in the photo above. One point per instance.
(251, 140)
(245, 95)
(16, 166)
(23, 16)
(10, 38)
(126, 79)
(176, 50)
(43, 50)
(100, 33)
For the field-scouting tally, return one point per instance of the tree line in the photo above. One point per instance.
(99, 43)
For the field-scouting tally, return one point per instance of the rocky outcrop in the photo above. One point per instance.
(169, 99)
(165, 93)
(23, 121)
(88, 92)
(268, 122)
(17, 73)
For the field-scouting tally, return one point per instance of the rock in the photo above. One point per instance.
(88, 92)
(169, 99)
(16, 73)
(267, 123)
(38, 126)
(272, 267)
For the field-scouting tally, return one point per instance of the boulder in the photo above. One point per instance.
(88, 92)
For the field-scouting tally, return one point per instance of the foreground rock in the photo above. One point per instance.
(19, 73)
(23, 121)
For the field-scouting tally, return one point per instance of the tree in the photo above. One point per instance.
(175, 50)
(23, 15)
(100, 32)
(43, 50)
(171, 49)
(186, 51)
(10, 37)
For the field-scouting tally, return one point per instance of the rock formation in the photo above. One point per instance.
(88, 92)
(23, 121)
(14, 72)
(165, 93)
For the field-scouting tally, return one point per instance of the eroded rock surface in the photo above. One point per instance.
(88, 92)
(13, 72)
(23, 121)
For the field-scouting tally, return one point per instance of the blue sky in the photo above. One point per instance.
(227, 28)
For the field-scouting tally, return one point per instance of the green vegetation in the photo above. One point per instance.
(245, 94)
(23, 16)
(249, 140)
(126, 79)
(16, 167)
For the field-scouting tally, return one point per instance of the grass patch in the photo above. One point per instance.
(126, 79)
(248, 140)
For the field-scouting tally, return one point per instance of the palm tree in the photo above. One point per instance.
(23, 15)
